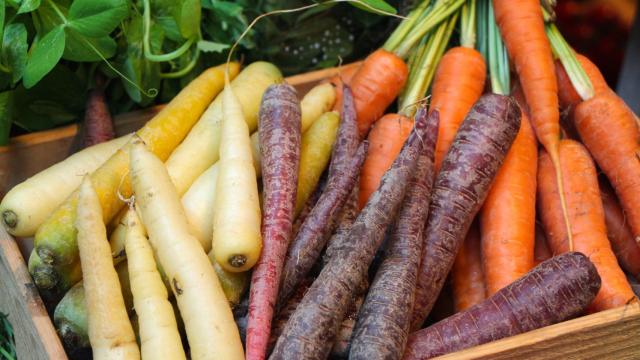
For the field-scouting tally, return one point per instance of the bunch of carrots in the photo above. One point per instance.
(246, 221)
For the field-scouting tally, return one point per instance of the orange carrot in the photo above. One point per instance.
(375, 85)
(458, 84)
(521, 24)
(622, 242)
(345, 76)
(567, 94)
(509, 213)
(587, 219)
(609, 130)
(466, 274)
(385, 142)
(541, 252)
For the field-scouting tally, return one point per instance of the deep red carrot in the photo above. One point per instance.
(554, 291)
(311, 330)
(315, 231)
(622, 242)
(467, 276)
(97, 126)
(387, 308)
(280, 143)
(347, 140)
(461, 186)
(375, 85)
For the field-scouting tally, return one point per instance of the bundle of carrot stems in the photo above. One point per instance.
(480, 190)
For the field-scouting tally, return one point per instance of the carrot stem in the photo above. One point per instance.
(498, 58)
(406, 25)
(440, 12)
(468, 24)
(561, 49)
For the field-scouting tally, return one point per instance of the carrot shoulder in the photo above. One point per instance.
(587, 219)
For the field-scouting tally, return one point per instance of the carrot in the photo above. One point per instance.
(467, 276)
(55, 240)
(27, 205)
(279, 130)
(308, 206)
(508, 215)
(608, 129)
(587, 215)
(236, 216)
(348, 140)
(110, 332)
(314, 232)
(387, 307)
(312, 328)
(521, 24)
(622, 242)
(344, 336)
(159, 336)
(458, 84)
(556, 290)
(461, 186)
(385, 142)
(375, 85)
(97, 125)
(208, 320)
(567, 95)
(339, 240)
(541, 251)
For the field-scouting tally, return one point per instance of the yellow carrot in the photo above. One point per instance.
(55, 240)
(209, 323)
(159, 336)
(110, 331)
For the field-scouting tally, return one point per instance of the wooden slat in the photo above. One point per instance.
(35, 335)
(611, 335)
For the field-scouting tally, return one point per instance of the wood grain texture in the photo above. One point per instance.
(611, 334)
(35, 335)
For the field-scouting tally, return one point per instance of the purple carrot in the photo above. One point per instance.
(313, 235)
(311, 330)
(466, 174)
(346, 218)
(279, 131)
(385, 318)
(308, 205)
(98, 124)
(554, 291)
(348, 139)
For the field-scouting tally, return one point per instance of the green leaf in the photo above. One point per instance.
(77, 47)
(97, 18)
(2, 14)
(14, 50)
(28, 6)
(5, 116)
(187, 16)
(44, 55)
(210, 46)
(375, 6)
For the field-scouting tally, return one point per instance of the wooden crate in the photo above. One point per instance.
(613, 334)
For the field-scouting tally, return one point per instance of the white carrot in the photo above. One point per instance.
(159, 336)
(236, 216)
(110, 332)
(27, 205)
(209, 323)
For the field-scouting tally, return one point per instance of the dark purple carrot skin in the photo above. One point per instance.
(556, 290)
(460, 188)
(348, 137)
(341, 346)
(315, 231)
(346, 218)
(286, 310)
(279, 132)
(311, 330)
(384, 320)
(308, 205)
(98, 124)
